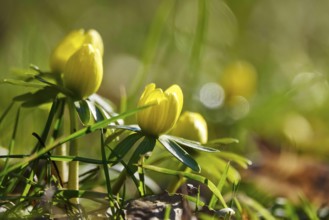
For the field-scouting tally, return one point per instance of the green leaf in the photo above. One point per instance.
(59, 88)
(145, 146)
(191, 144)
(125, 145)
(42, 96)
(77, 134)
(220, 141)
(179, 153)
(217, 167)
(99, 113)
(256, 206)
(191, 176)
(17, 82)
(241, 161)
(220, 185)
(6, 111)
(133, 128)
(104, 103)
(83, 110)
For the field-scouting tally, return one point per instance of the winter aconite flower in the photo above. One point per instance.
(83, 72)
(239, 79)
(192, 126)
(164, 111)
(70, 44)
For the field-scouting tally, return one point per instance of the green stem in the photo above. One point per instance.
(174, 187)
(62, 149)
(12, 143)
(73, 182)
(197, 46)
(118, 184)
(150, 47)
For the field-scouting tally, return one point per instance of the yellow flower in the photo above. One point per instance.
(70, 44)
(83, 72)
(239, 79)
(162, 116)
(192, 126)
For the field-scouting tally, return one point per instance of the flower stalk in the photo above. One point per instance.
(73, 180)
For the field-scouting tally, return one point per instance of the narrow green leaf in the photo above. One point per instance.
(134, 128)
(12, 144)
(220, 141)
(75, 158)
(124, 146)
(83, 111)
(217, 167)
(61, 89)
(113, 136)
(105, 166)
(99, 113)
(79, 133)
(13, 137)
(220, 185)
(104, 103)
(6, 111)
(241, 161)
(151, 45)
(146, 145)
(191, 144)
(179, 153)
(42, 96)
(190, 176)
(197, 45)
(256, 207)
(22, 83)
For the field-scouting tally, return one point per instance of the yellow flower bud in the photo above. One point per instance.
(239, 79)
(163, 114)
(70, 44)
(83, 72)
(192, 126)
(94, 38)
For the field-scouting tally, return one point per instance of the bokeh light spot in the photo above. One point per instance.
(212, 95)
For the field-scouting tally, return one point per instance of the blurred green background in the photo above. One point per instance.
(257, 70)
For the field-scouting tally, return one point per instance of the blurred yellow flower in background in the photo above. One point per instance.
(83, 72)
(239, 79)
(70, 44)
(192, 126)
(164, 112)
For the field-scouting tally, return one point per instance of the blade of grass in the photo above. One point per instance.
(241, 161)
(12, 143)
(16, 82)
(220, 185)
(60, 150)
(40, 143)
(256, 206)
(77, 134)
(141, 186)
(200, 34)
(190, 176)
(105, 167)
(151, 45)
(7, 110)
